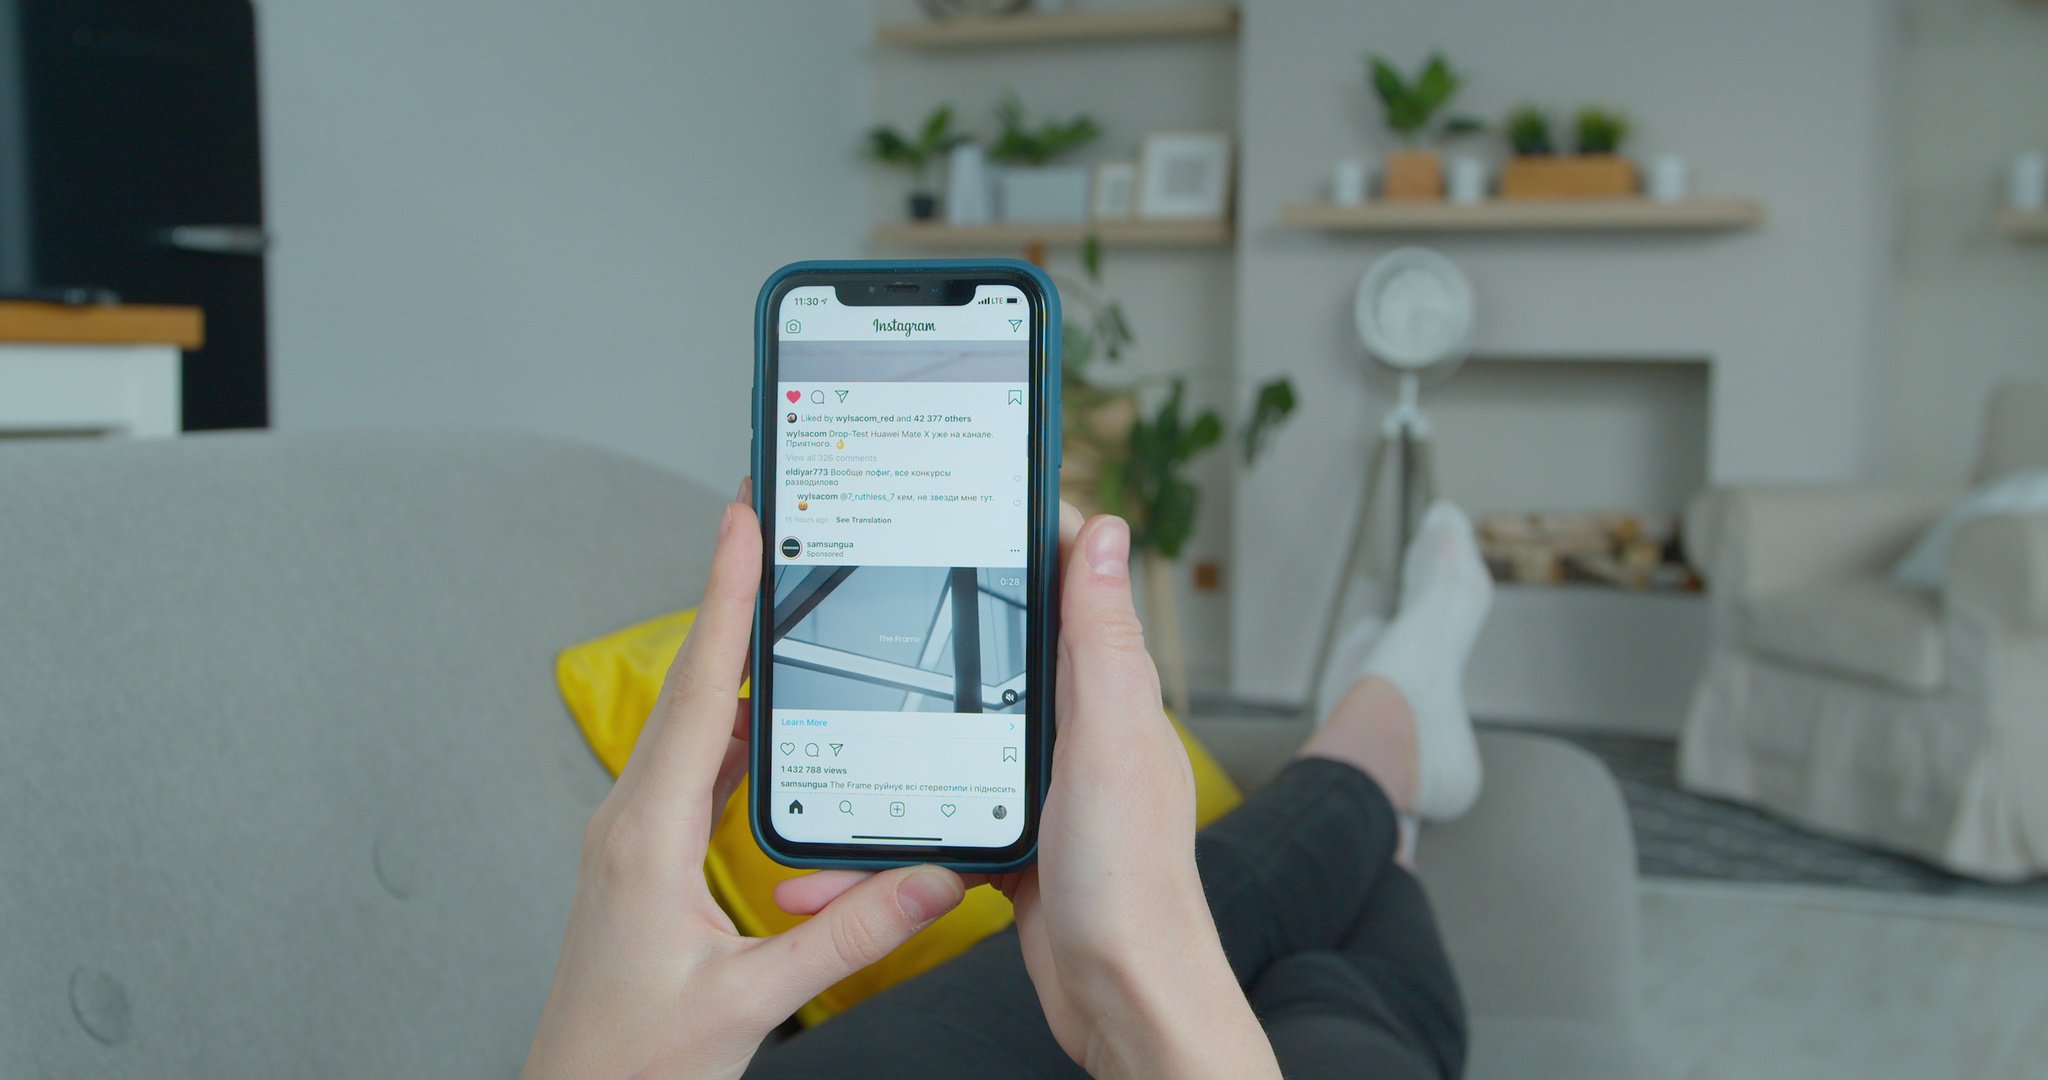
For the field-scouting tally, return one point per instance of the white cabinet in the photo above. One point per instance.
(108, 371)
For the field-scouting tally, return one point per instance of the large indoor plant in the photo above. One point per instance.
(1029, 186)
(1415, 170)
(1597, 170)
(1128, 445)
(915, 154)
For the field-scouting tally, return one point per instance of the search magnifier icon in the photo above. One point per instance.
(846, 806)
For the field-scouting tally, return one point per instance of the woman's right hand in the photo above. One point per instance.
(1115, 930)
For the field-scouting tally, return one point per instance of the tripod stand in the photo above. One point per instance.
(1405, 432)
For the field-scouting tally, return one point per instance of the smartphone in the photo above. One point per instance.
(906, 462)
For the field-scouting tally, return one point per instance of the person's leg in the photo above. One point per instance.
(1291, 869)
(1384, 1003)
(975, 1015)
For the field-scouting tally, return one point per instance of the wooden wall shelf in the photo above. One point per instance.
(2021, 225)
(1023, 234)
(967, 33)
(102, 324)
(1561, 215)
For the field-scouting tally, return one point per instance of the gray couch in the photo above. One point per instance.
(286, 788)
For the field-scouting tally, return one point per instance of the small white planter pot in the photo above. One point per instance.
(1046, 193)
(968, 185)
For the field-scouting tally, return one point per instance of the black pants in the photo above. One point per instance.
(1334, 944)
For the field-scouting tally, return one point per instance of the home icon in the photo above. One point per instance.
(796, 807)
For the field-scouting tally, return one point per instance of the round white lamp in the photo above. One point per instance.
(1415, 315)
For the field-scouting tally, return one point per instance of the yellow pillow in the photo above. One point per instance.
(610, 685)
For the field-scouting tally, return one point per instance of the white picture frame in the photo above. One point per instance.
(1184, 176)
(1115, 194)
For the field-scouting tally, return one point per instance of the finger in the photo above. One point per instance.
(746, 494)
(1070, 527)
(808, 895)
(860, 927)
(733, 768)
(676, 763)
(1102, 646)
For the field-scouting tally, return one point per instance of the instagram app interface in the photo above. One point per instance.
(900, 532)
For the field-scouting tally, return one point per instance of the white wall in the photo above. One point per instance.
(1786, 103)
(1972, 304)
(550, 217)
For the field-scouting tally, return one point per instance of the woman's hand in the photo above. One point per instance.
(1114, 927)
(653, 979)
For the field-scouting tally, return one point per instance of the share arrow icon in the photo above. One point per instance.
(1015, 323)
(836, 747)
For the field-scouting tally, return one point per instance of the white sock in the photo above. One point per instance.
(1445, 591)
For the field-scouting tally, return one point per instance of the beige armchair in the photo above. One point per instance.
(1857, 707)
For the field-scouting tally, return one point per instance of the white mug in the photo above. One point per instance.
(2027, 187)
(1467, 182)
(1667, 178)
(1347, 183)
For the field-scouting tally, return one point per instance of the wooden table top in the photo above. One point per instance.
(102, 324)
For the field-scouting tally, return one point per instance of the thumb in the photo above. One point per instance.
(1103, 662)
(861, 926)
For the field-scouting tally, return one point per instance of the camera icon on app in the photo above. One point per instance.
(792, 327)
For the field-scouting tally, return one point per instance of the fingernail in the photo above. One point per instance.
(725, 521)
(739, 494)
(928, 894)
(1109, 548)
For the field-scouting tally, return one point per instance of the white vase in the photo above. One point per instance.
(1347, 183)
(1043, 193)
(1667, 178)
(1466, 180)
(2027, 186)
(967, 185)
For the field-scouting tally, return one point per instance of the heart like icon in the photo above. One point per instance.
(794, 396)
(788, 748)
(947, 809)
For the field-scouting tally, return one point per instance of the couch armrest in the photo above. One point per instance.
(1752, 540)
(1536, 887)
(1999, 564)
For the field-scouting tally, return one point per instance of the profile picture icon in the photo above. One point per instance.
(791, 418)
(791, 547)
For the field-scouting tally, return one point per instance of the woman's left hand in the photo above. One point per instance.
(653, 978)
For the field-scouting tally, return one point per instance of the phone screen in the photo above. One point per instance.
(900, 533)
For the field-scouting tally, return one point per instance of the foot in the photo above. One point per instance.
(1392, 702)
(1445, 592)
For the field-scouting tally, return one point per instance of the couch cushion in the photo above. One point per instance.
(285, 788)
(1865, 627)
(1516, 1048)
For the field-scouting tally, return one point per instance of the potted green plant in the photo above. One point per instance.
(1029, 187)
(1120, 458)
(1415, 170)
(915, 153)
(1597, 170)
(1601, 131)
(1528, 131)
